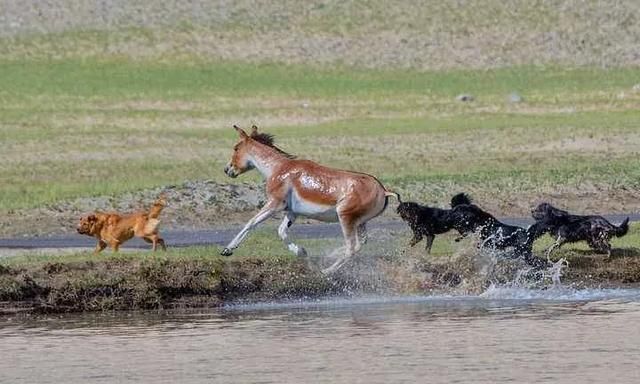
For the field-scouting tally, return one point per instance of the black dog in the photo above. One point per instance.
(427, 221)
(568, 228)
(469, 218)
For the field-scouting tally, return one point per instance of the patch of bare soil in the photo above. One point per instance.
(193, 204)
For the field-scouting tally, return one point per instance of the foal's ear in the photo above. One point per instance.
(254, 130)
(241, 132)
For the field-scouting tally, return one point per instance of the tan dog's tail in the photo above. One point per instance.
(157, 207)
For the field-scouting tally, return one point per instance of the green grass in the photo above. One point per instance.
(271, 247)
(109, 79)
(74, 128)
(264, 239)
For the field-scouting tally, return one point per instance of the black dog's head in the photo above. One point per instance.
(546, 211)
(408, 211)
(469, 217)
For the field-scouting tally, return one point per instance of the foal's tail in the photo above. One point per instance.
(391, 193)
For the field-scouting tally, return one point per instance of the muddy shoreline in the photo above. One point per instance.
(182, 283)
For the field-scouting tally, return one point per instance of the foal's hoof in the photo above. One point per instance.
(226, 252)
(302, 252)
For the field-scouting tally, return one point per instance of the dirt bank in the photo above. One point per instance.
(134, 282)
(127, 284)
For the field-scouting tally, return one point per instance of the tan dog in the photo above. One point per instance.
(113, 229)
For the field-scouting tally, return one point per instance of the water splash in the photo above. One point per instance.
(556, 271)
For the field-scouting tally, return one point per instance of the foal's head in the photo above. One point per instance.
(240, 161)
(241, 158)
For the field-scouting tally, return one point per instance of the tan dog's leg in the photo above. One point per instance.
(100, 246)
(115, 245)
(154, 239)
(161, 242)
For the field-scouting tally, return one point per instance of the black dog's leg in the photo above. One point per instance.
(430, 238)
(417, 237)
(608, 249)
(600, 243)
(527, 252)
(460, 237)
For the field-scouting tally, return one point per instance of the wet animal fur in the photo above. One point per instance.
(468, 218)
(568, 228)
(426, 221)
(113, 229)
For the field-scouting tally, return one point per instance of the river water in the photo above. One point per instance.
(503, 335)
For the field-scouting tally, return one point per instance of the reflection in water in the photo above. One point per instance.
(549, 336)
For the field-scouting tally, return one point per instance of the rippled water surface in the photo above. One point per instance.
(502, 336)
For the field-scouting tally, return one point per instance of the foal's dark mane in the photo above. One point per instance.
(268, 140)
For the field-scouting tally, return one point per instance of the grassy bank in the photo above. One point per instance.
(113, 102)
(198, 277)
(113, 127)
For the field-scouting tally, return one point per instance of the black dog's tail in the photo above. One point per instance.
(460, 199)
(623, 228)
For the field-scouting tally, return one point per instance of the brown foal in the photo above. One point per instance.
(304, 188)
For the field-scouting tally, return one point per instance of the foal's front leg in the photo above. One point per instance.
(288, 221)
(266, 212)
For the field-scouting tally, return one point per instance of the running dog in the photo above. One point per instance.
(113, 229)
(469, 218)
(426, 221)
(567, 228)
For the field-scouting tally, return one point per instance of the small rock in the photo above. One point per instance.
(465, 97)
(514, 97)
(636, 88)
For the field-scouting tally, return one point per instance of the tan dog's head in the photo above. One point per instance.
(87, 225)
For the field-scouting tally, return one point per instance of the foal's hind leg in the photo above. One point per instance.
(350, 237)
(362, 236)
(288, 221)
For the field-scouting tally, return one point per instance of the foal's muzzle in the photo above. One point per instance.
(230, 171)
